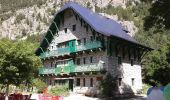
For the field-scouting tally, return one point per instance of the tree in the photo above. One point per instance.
(156, 64)
(108, 85)
(18, 63)
(156, 28)
(159, 15)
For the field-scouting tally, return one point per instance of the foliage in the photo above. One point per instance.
(59, 90)
(159, 15)
(145, 88)
(35, 38)
(39, 84)
(12, 5)
(18, 62)
(157, 65)
(108, 85)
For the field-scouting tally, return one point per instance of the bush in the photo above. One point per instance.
(59, 90)
(39, 84)
(108, 85)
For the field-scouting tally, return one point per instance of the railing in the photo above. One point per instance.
(89, 45)
(67, 50)
(44, 70)
(65, 69)
(89, 67)
(59, 51)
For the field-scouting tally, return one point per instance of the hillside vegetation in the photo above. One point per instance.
(12, 5)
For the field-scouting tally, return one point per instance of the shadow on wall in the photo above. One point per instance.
(124, 90)
(111, 87)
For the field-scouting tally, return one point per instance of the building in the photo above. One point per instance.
(81, 47)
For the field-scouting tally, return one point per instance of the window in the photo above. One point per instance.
(91, 38)
(132, 62)
(87, 29)
(79, 42)
(56, 64)
(78, 82)
(84, 60)
(119, 60)
(50, 83)
(78, 61)
(84, 40)
(74, 27)
(91, 82)
(120, 81)
(65, 30)
(91, 59)
(133, 81)
(84, 82)
(51, 64)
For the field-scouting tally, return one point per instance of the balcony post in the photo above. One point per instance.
(47, 40)
(51, 33)
(56, 26)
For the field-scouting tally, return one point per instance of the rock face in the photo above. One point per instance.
(36, 19)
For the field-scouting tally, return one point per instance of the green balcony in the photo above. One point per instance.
(89, 68)
(58, 52)
(89, 45)
(65, 68)
(44, 70)
(71, 48)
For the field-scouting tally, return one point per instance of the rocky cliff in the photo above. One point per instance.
(36, 18)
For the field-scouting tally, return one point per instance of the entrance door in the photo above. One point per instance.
(71, 82)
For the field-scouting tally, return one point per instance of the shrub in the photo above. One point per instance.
(108, 85)
(39, 84)
(59, 90)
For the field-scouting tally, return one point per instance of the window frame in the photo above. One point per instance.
(119, 81)
(132, 62)
(119, 60)
(84, 60)
(91, 59)
(78, 60)
(133, 81)
(84, 82)
(65, 30)
(74, 27)
(91, 82)
(77, 81)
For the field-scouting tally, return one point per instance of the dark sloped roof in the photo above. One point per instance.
(98, 22)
